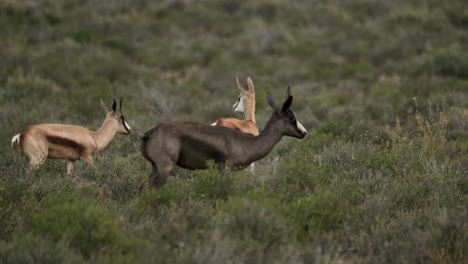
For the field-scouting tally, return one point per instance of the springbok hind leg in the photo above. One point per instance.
(145, 184)
(159, 175)
(34, 164)
(153, 176)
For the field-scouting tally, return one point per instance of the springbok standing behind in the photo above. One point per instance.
(245, 103)
(57, 141)
(190, 145)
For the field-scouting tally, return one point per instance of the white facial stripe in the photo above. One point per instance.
(301, 127)
(127, 126)
(239, 105)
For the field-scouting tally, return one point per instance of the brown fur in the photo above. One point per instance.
(245, 126)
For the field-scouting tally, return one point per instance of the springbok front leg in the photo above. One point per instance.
(70, 165)
(88, 159)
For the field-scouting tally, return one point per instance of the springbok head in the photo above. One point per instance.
(247, 96)
(117, 117)
(290, 126)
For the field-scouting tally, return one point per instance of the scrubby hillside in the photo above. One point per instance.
(382, 87)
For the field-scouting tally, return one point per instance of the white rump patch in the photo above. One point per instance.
(127, 126)
(239, 105)
(15, 139)
(301, 127)
(215, 123)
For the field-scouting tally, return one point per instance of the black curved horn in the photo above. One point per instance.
(120, 104)
(114, 105)
(288, 91)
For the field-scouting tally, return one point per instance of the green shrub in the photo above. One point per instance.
(335, 127)
(213, 184)
(118, 177)
(431, 236)
(152, 200)
(321, 212)
(257, 229)
(29, 248)
(81, 221)
(298, 173)
(249, 219)
(14, 203)
(448, 61)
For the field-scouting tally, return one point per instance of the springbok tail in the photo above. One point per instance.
(15, 141)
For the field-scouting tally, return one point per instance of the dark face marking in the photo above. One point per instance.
(289, 115)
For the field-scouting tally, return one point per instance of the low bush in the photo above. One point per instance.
(213, 184)
(29, 248)
(256, 227)
(82, 222)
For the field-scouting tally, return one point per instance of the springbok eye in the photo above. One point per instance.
(291, 118)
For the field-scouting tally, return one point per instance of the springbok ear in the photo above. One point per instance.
(104, 106)
(120, 104)
(271, 101)
(114, 105)
(287, 104)
(240, 85)
(250, 84)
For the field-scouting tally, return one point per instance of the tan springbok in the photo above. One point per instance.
(245, 103)
(57, 141)
(190, 145)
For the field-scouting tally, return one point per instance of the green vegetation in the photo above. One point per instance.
(382, 87)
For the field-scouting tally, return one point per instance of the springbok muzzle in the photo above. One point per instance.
(301, 128)
(126, 126)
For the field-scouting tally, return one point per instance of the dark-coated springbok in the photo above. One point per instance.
(190, 145)
(245, 103)
(57, 141)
